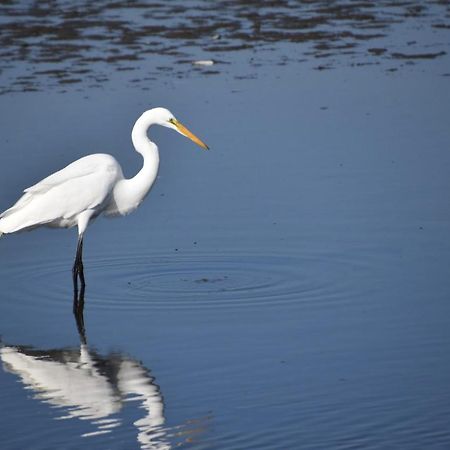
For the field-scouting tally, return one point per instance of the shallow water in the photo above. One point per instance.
(287, 289)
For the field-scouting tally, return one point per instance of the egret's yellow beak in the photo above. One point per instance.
(185, 132)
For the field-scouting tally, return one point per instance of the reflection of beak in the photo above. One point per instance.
(185, 132)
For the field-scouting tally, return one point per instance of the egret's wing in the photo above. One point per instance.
(57, 200)
(78, 170)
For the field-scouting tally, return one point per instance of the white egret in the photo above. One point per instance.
(90, 186)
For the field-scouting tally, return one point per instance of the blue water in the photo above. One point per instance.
(288, 289)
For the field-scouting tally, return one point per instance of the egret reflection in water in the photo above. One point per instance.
(85, 385)
(91, 387)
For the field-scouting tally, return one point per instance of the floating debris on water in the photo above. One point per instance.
(203, 62)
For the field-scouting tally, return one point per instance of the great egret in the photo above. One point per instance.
(90, 186)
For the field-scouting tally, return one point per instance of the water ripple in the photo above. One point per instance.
(200, 280)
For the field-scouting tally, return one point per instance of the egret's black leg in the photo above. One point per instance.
(78, 312)
(79, 318)
(78, 298)
(77, 271)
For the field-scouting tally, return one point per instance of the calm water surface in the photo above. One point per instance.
(286, 290)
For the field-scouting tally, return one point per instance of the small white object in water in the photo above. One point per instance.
(203, 62)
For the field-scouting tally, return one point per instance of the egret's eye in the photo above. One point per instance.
(172, 121)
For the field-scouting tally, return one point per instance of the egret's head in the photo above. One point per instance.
(164, 117)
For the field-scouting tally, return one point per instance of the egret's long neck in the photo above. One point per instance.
(129, 193)
(149, 151)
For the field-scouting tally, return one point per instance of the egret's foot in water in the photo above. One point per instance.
(78, 312)
(77, 270)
